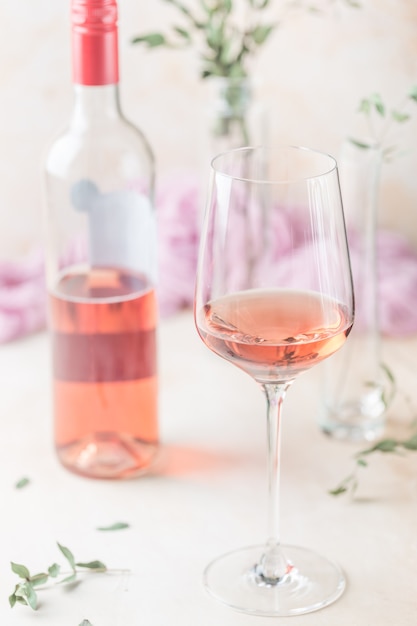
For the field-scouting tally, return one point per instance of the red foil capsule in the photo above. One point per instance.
(94, 42)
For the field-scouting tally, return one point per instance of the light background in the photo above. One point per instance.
(310, 77)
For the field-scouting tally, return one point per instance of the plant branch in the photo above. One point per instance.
(374, 108)
(384, 446)
(25, 590)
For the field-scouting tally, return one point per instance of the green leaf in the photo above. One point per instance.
(365, 106)
(411, 444)
(348, 483)
(39, 579)
(207, 8)
(214, 37)
(27, 593)
(314, 10)
(261, 33)
(413, 93)
(22, 483)
(116, 526)
(225, 52)
(152, 40)
(400, 117)
(360, 144)
(31, 597)
(361, 462)
(376, 100)
(236, 71)
(95, 565)
(20, 570)
(69, 579)
(388, 372)
(227, 6)
(339, 490)
(12, 600)
(54, 569)
(68, 555)
(86, 622)
(385, 445)
(183, 33)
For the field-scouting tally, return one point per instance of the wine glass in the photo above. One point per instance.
(274, 297)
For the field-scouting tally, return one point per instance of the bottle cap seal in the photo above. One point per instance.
(94, 42)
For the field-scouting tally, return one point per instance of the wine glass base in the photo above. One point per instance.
(312, 583)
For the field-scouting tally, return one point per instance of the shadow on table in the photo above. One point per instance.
(181, 460)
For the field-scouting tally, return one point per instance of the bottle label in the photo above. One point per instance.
(121, 227)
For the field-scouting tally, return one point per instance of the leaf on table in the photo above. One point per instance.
(94, 565)
(20, 570)
(385, 445)
(54, 569)
(410, 444)
(68, 555)
(39, 579)
(26, 594)
(116, 526)
(68, 579)
(22, 483)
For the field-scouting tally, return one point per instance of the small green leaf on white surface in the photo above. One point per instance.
(116, 526)
(22, 482)
(68, 555)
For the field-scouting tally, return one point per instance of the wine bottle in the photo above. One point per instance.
(101, 266)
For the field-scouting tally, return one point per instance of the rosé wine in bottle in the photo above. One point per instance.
(101, 267)
(273, 334)
(103, 327)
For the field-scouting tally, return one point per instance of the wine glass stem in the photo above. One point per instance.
(273, 565)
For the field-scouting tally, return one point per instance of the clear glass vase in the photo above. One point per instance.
(358, 386)
(235, 119)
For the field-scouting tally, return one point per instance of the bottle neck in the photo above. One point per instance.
(95, 105)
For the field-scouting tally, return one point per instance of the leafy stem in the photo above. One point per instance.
(385, 446)
(225, 33)
(375, 110)
(225, 43)
(25, 589)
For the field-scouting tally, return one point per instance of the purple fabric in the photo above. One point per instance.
(22, 296)
(22, 283)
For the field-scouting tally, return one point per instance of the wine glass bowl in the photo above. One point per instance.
(274, 297)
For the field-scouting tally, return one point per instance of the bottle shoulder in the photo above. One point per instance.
(111, 141)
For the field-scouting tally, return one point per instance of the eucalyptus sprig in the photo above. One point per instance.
(374, 109)
(385, 446)
(225, 41)
(227, 33)
(25, 589)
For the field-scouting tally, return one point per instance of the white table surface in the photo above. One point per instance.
(208, 496)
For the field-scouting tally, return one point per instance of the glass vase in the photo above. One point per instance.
(235, 119)
(358, 387)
